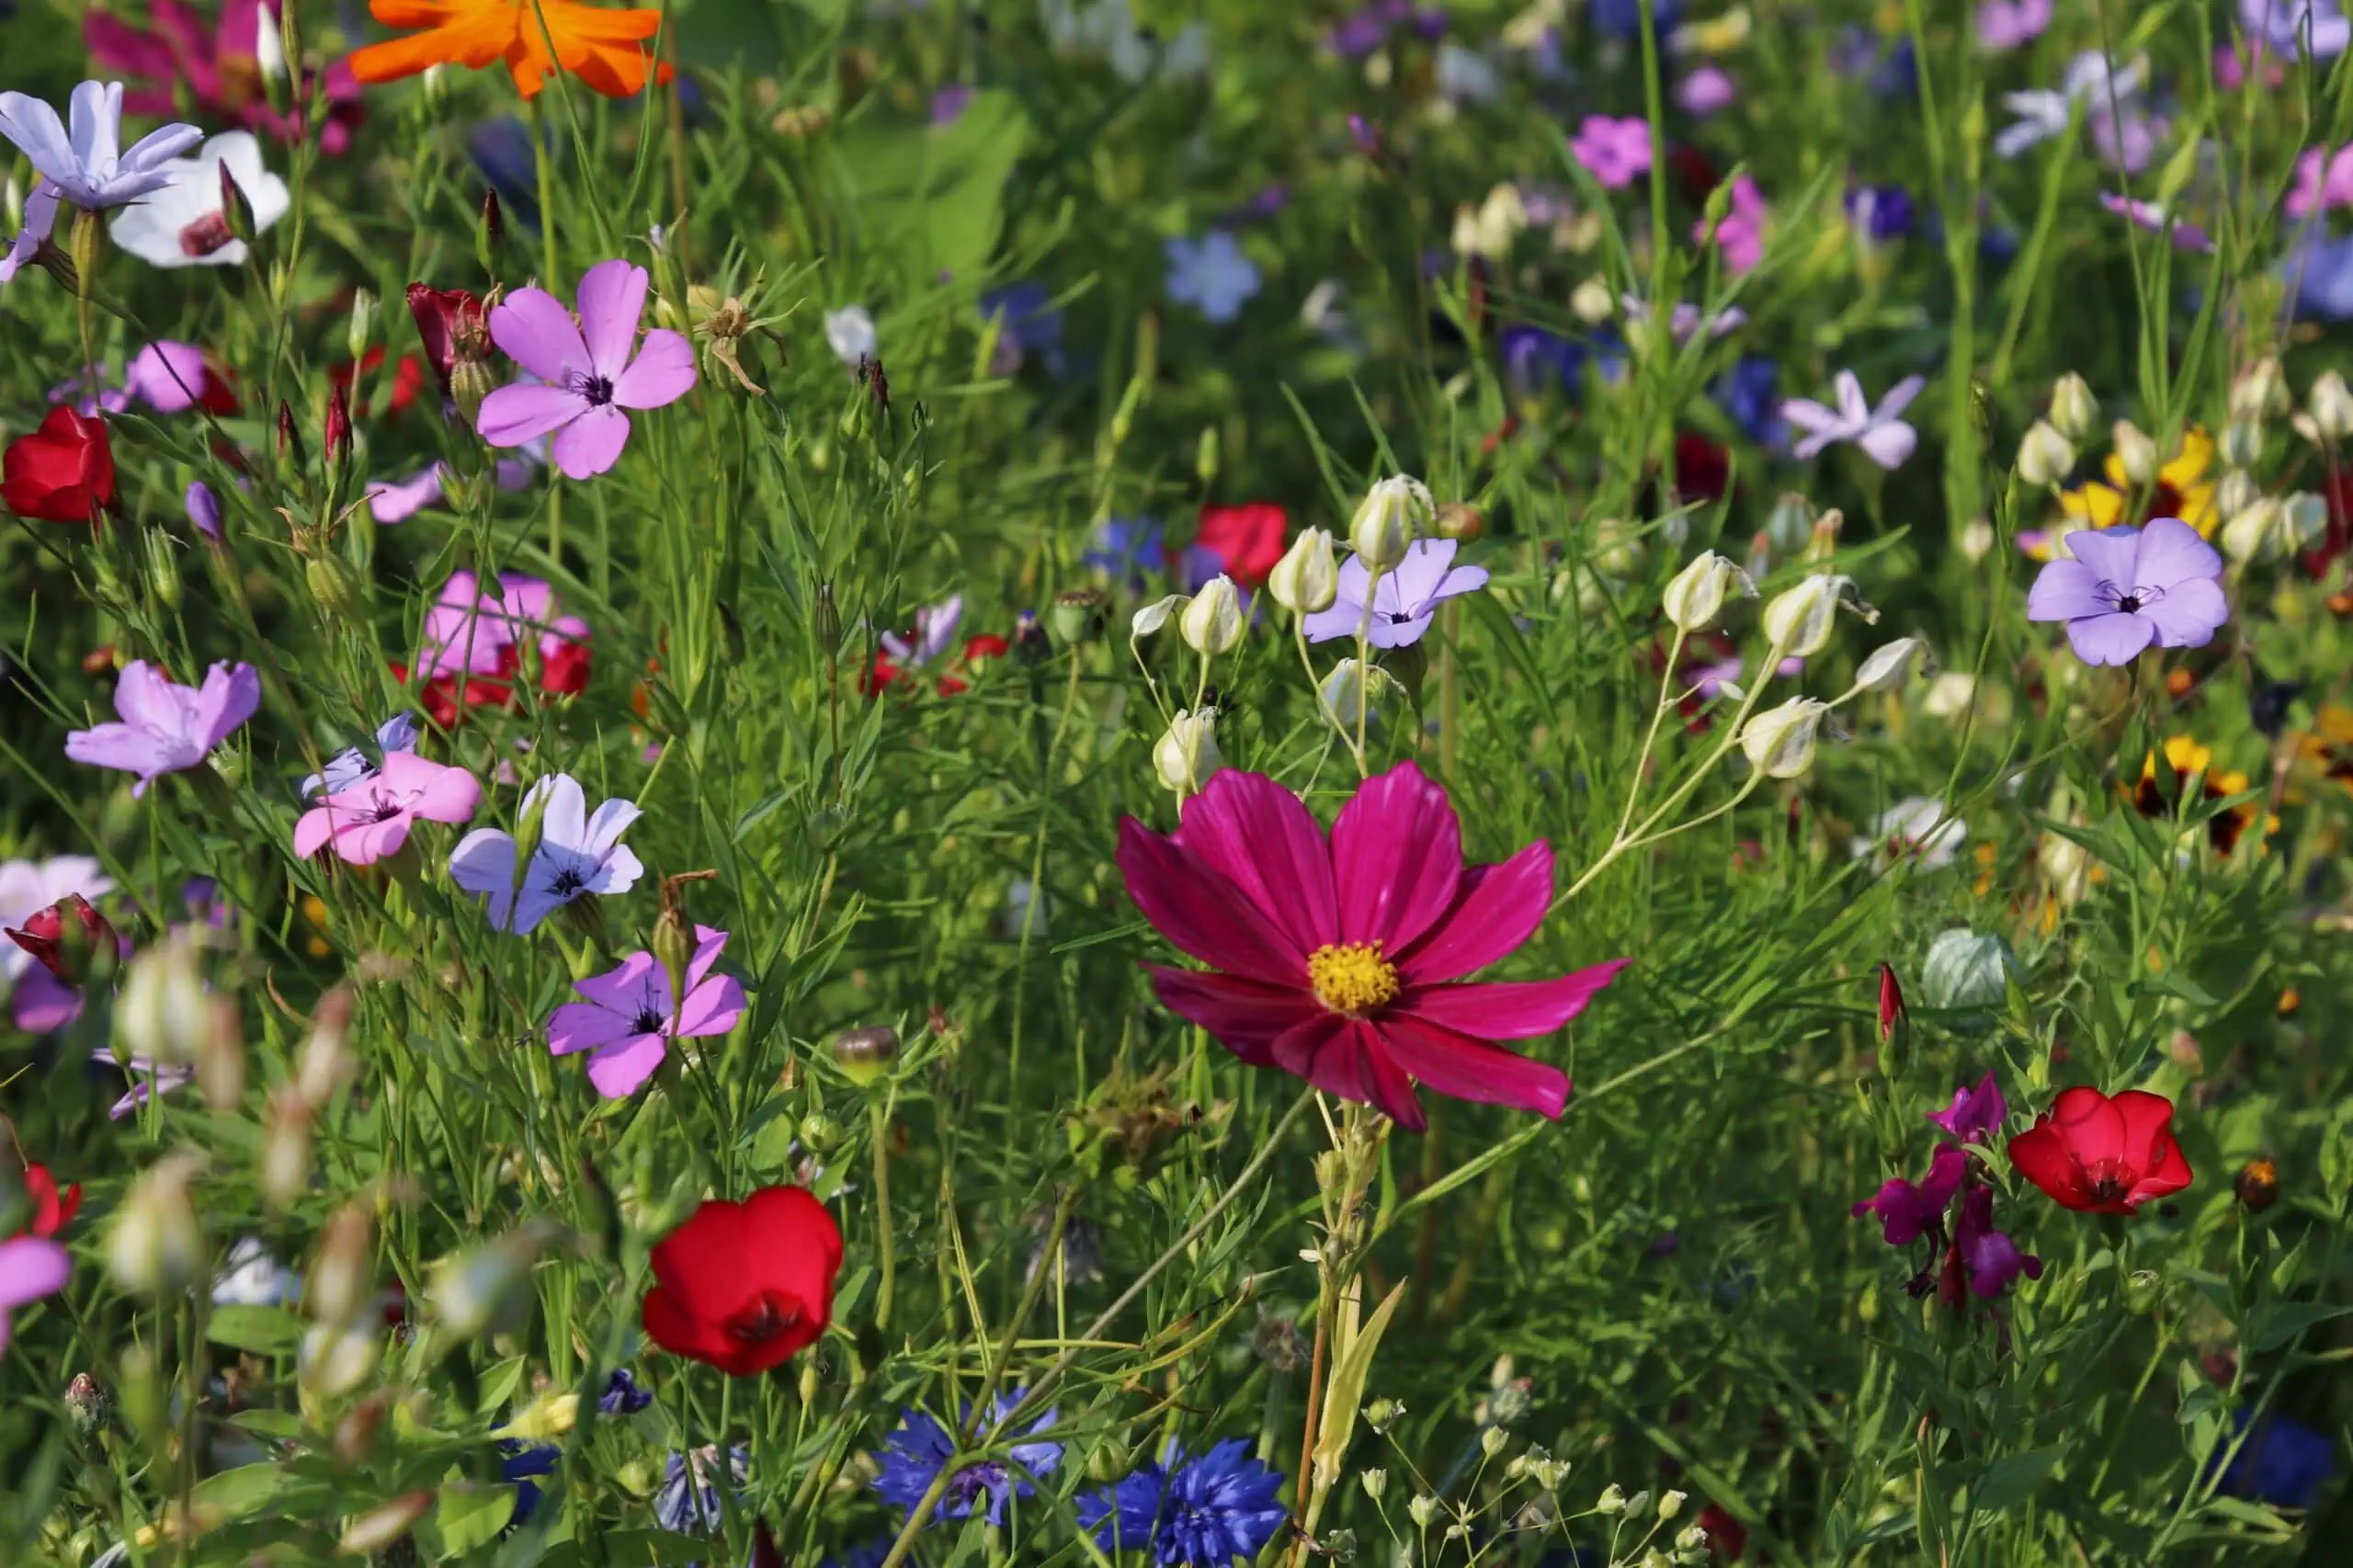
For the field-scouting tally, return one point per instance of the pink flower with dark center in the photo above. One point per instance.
(371, 820)
(222, 73)
(588, 373)
(1342, 961)
(631, 1015)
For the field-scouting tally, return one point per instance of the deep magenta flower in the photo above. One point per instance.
(1740, 233)
(222, 75)
(372, 819)
(631, 1015)
(1342, 961)
(586, 374)
(2124, 589)
(1907, 1210)
(1975, 1115)
(164, 727)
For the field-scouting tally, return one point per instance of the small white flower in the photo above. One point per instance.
(1779, 741)
(1185, 755)
(1697, 592)
(2045, 456)
(850, 332)
(1919, 828)
(185, 224)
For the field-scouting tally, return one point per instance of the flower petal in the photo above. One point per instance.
(2189, 614)
(2041, 1156)
(620, 1071)
(663, 372)
(2066, 590)
(1465, 1069)
(484, 863)
(1199, 910)
(591, 443)
(1509, 1009)
(1244, 1016)
(1265, 840)
(612, 301)
(526, 411)
(1496, 908)
(2110, 639)
(712, 1007)
(2169, 552)
(1396, 858)
(2090, 1124)
(535, 331)
(1345, 1057)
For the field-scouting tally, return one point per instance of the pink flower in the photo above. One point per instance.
(30, 1268)
(1741, 233)
(1613, 151)
(468, 630)
(2003, 25)
(371, 820)
(586, 374)
(2324, 180)
(2152, 215)
(631, 1015)
(1707, 90)
(166, 728)
(1341, 963)
(222, 75)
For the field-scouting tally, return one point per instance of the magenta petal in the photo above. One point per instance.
(612, 299)
(1496, 908)
(1397, 857)
(591, 443)
(1460, 1067)
(2110, 639)
(1345, 1057)
(1260, 835)
(525, 411)
(1196, 907)
(584, 1026)
(536, 332)
(1509, 1009)
(620, 1071)
(712, 1007)
(1244, 1014)
(663, 372)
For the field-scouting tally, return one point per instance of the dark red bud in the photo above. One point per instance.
(338, 429)
(66, 950)
(1890, 1001)
(290, 440)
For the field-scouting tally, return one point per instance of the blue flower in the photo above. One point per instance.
(1623, 19)
(687, 1502)
(1882, 212)
(915, 1454)
(1211, 275)
(1536, 360)
(1029, 328)
(1204, 1511)
(522, 1462)
(1128, 549)
(1750, 394)
(2321, 272)
(868, 1553)
(351, 767)
(2284, 1463)
(621, 1395)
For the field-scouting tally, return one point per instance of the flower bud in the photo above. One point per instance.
(385, 1526)
(2331, 406)
(1391, 515)
(162, 1011)
(1791, 523)
(2307, 518)
(1458, 521)
(1799, 620)
(864, 1055)
(1211, 624)
(1352, 687)
(1423, 1508)
(471, 380)
(2258, 392)
(1976, 539)
(1779, 741)
(203, 509)
(2135, 453)
(1374, 1481)
(1592, 301)
(327, 1063)
(2256, 1185)
(88, 1407)
(1890, 665)
(2241, 443)
(1078, 614)
(2260, 532)
(2235, 494)
(285, 1172)
(1697, 592)
(1669, 1504)
(332, 585)
(1149, 618)
(342, 1284)
(157, 1247)
(220, 1057)
(1493, 1441)
(486, 1287)
(1611, 1501)
(1186, 757)
(2045, 457)
(355, 334)
(2073, 408)
(1950, 694)
(1307, 579)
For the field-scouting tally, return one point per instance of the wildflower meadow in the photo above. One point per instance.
(1098, 783)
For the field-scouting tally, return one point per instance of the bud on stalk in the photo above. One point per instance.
(865, 1055)
(327, 1063)
(338, 425)
(157, 1247)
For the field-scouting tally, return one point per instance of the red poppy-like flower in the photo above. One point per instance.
(62, 473)
(52, 1209)
(2102, 1155)
(1342, 961)
(408, 378)
(1246, 539)
(64, 953)
(743, 1286)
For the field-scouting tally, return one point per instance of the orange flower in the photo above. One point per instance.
(604, 48)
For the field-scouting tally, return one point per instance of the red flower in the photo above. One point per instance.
(979, 649)
(62, 473)
(563, 672)
(449, 323)
(2099, 1156)
(743, 1286)
(1341, 962)
(408, 378)
(65, 954)
(1702, 468)
(1724, 1532)
(52, 1209)
(1246, 539)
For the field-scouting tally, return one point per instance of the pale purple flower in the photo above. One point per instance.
(372, 820)
(2324, 180)
(1975, 1115)
(576, 854)
(934, 633)
(166, 727)
(631, 1015)
(2291, 27)
(203, 508)
(1683, 320)
(1740, 234)
(351, 767)
(470, 630)
(2043, 112)
(1403, 603)
(2003, 25)
(2153, 216)
(2126, 587)
(1613, 151)
(1884, 437)
(397, 500)
(30, 1267)
(1907, 1210)
(147, 1077)
(85, 166)
(1211, 275)
(168, 376)
(1707, 90)
(948, 104)
(588, 373)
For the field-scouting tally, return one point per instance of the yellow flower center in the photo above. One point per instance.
(1352, 977)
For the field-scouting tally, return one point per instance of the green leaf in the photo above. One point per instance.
(2012, 1479)
(265, 1331)
(472, 1516)
(2274, 1326)
(1350, 1368)
(930, 198)
(239, 1492)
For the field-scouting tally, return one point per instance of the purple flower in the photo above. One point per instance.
(1404, 601)
(1908, 1210)
(591, 372)
(1707, 90)
(1990, 1259)
(203, 509)
(2042, 113)
(1613, 151)
(351, 767)
(1202, 1511)
(2323, 179)
(2154, 215)
(166, 727)
(912, 1458)
(147, 1077)
(2291, 27)
(30, 1268)
(621, 1395)
(576, 854)
(1683, 320)
(1211, 275)
(2003, 25)
(2127, 587)
(1879, 214)
(88, 167)
(1886, 439)
(1740, 234)
(1975, 1114)
(631, 1015)
(934, 633)
(948, 104)
(1749, 393)
(393, 501)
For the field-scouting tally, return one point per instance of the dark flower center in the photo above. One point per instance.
(567, 882)
(2107, 1182)
(206, 235)
(597, 389)
(761, 1320)
(1399, 617)
(969, 1485)
(647, 1021)
(2130, 600)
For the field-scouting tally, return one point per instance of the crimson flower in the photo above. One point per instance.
(451, 324)
(52, 1209)
(1339, 961)
(1247, 539)
(2102, 1155)
(65, 954)
(742, 1287)
(62, 473)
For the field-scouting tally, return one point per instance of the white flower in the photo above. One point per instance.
(1212, 622)
(1917, 827)
(2331, 406)
(1799, 620)
(1950, 694)
(1151, 617)
(1391, 515)
(1185, 756)
(850, 332)
(2045, 456)
(1307, 579)
(1890, 665)
(185, 224)
(87, 165)
(254, 1279)
(1697, 592)
(2044, 114)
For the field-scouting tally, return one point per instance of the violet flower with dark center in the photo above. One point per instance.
(1404, 600)
(630, 1015)
(2126, 588)
(166, 728)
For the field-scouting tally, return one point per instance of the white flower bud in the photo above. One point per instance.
(2241, 443)
(1391, 515)
(2073, 408)
(1976, 538)
(1799, 618)
(157, 1246)
(2261, 533)
(343, 1272)
(1611, 1501)
(2235, 494)
(1307, 579)
(1697, 592)
(382, 1527)
(1186, 757)
(2307, 518)
(163, 1013)
(2135, 453)
(1637, 1503)
(1691, 1538)
(1593, 302)
(1671, 1503)
(1375, 1482)
(1424, 1508)
(1890, 665)
(1154, 616)
(1349, 687)
(335, 1359)
(1779, 741)
(1493, 1441)
(1211, 624)
(486, 1287)
(1950, 694)
(327, 1063)
(2045, 457)
(2259, 389)
(269, 46)
(2331, 406)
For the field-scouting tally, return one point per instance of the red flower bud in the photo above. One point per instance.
(1891, 1002)
(451, 324)
(289, 440)
(742, 1287)
(62, 473)
(338, 429)
(66, 950)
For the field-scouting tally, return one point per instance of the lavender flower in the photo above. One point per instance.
(1211, 275)
(1613, 151)
(1886, 439)
(587, 374)
(88, 167)
(2127, 587)
(1204, 1511)
(1404, 601)
(2153, 216)
(2043, 113)
(631, 1015)
(147, 1077)
(934, 633)
(576, 854)
(351, 767)
(914, 1453)
(2291, 26)
(203, 509)
(1989, 1259)
(166, 728)
(2003, 25)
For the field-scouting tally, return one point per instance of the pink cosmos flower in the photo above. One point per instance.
(1613, 151)
(166, 728)
(588, 373)
(1741, 233)
(1342, 961)
(2324, 180)
(30, 1268)
(631, 1015)
(2152, 215)
(371, 820)
(222, 75)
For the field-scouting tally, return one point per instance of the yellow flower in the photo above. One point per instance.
(2183, 490)
(2190, 761)
(2329, 745)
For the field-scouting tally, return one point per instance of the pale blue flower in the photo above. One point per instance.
(1211, 275)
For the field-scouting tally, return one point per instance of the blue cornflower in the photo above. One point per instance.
(911, 1458)
(869, 1553)
(1211, 275)
(1031, 328)
(1536, 360)
(1750, 394)
(1881, 212)
(1128, 549)
(523, 1461)
(621, 1395)
(2284, 1463)
(1623, 19)
(1203, 1511)
(687, 1502)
